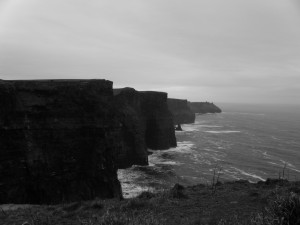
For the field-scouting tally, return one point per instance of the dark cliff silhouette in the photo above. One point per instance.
(146, 123)
(58, 141)
(181, 111)
(204, 107)
(63, 140)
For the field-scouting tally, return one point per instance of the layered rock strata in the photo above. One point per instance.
(181, 111)
(58, 141)
(146, 123)
(204, 107)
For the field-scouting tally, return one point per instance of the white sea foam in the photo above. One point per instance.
(157, 156)
(248, 174)
(284, 163)
(267, 156)
(188, 128)
(289, 165)
(157, 160)
(182, 147)
(210, 126)
(274, 138)
(222, 131)
(294, 169)
(129, 182)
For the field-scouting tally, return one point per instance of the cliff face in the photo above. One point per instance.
(58, 141)
(146, 123)
(204, 107)
(128, 107)
(181, 111)
(160, 133)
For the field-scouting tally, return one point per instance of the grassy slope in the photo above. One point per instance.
(230, 203)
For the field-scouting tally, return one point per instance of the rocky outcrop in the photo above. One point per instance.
(58, 141)
(146, 123)
(180, 111)
(204, 107)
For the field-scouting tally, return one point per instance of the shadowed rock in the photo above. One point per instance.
(128, 108)
(160, 132)
(58, 141)
(146, 123)
(181, 111)
(204, 107)
(178, 127)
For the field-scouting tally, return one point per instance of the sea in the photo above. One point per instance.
(249, 142)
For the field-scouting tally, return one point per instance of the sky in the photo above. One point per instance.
(237, 51)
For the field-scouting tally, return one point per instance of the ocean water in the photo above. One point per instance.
(249, 142)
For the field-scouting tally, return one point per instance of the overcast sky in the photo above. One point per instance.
(214, 50)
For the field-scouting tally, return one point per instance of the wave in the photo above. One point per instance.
(137, 179)
(165, 157)
(182, 147)
(248, 174)
(188, 128)
(210, 126)
(246, 147)
(222, 131)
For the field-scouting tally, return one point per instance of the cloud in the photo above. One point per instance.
(191, 49)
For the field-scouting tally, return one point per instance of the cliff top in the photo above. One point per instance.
(120, 90)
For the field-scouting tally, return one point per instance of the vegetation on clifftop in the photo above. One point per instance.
(240, 202)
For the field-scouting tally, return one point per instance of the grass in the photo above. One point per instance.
(283, 210)
(265, 203)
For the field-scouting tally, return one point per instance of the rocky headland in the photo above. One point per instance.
(63, 140)
(146, 123)
(204, 107)
(180, 110)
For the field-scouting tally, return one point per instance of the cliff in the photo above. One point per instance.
(58, 141)
(181, 111)
(128, 108)
(146, 123)
(204, 107)
(160, 133)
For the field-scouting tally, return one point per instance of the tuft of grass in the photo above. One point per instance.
(146, 195)
(97, 204)
(72, 206)
(283, 210)
(130, 218)
(135, 204)
(177, 192)
(38, 219)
